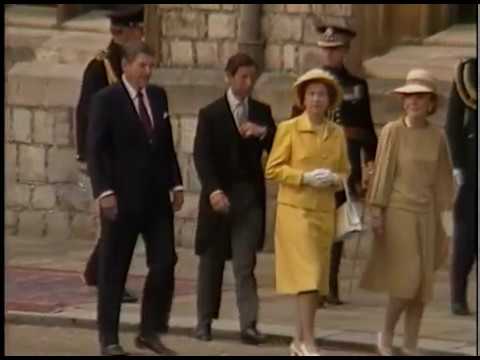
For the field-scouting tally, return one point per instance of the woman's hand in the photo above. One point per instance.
(378, 223)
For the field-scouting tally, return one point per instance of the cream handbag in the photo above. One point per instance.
(348, 217)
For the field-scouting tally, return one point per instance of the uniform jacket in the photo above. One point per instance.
(96, 77)
(461, 125)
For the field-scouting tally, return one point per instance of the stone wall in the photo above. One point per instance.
(205, 35)
(193, 35)
(42, 194)
(291, 37)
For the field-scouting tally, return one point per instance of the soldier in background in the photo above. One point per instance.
(461, 129)
(126, 25)
(355, 117)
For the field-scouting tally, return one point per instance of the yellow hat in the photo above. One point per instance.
(418, 81)
(325, 77)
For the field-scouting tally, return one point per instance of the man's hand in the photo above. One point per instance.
(249, 129)
(177, 201)
(220, 202)
(108, 207)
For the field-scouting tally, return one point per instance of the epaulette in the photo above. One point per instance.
(102, 55)
(465, 85)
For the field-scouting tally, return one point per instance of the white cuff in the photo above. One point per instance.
(458, 176)
(106, 193)
(178, 188)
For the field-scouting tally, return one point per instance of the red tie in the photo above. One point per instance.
(144, 117)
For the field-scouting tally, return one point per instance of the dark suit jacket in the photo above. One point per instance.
(120, 156)
(216, 148)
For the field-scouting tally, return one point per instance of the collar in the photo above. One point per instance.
(233, 100)
(304, 125)
(131, 90)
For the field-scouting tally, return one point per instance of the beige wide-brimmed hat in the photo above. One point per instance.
(324, 77)
(418, 81)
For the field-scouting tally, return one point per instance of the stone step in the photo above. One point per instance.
(72, 47)
(461, 35)
(53, 46)
(93, 21)
(440, 60)
(31, 16)
(44, 84)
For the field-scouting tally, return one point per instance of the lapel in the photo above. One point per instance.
(157, 112)
(226, 112)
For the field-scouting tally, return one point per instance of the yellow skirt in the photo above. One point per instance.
(302, 249)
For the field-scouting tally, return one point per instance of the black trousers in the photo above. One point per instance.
(91, 268)
(246, 217)
(465, 245)
(115, 252)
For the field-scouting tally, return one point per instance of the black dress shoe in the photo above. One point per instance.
(154, 344)
(252, 336)
(128, 297)
(460, 309)
(333, 300)
(203, 333)
(113, 350)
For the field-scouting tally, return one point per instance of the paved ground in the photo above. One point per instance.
(25, 340)
(44, 288)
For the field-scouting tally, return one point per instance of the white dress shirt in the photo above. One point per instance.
(134, 96)
(234, 102)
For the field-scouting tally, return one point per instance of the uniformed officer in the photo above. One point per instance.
(126, 25)
(461, 129)
(355, 117)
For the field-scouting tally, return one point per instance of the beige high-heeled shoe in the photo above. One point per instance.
(295, 350)
(308, 352)
(382, 349)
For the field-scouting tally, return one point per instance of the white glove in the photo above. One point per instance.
(458, 176)
(319, 178)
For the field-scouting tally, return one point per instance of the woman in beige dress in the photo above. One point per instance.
(411, 188)
(309, 159)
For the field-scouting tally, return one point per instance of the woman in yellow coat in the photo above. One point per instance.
(411, 188)
(309, 160)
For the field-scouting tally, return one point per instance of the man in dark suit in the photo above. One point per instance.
(232, 134)
(133, 168)
(105, 69)
(461, 129)
(355, 117)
